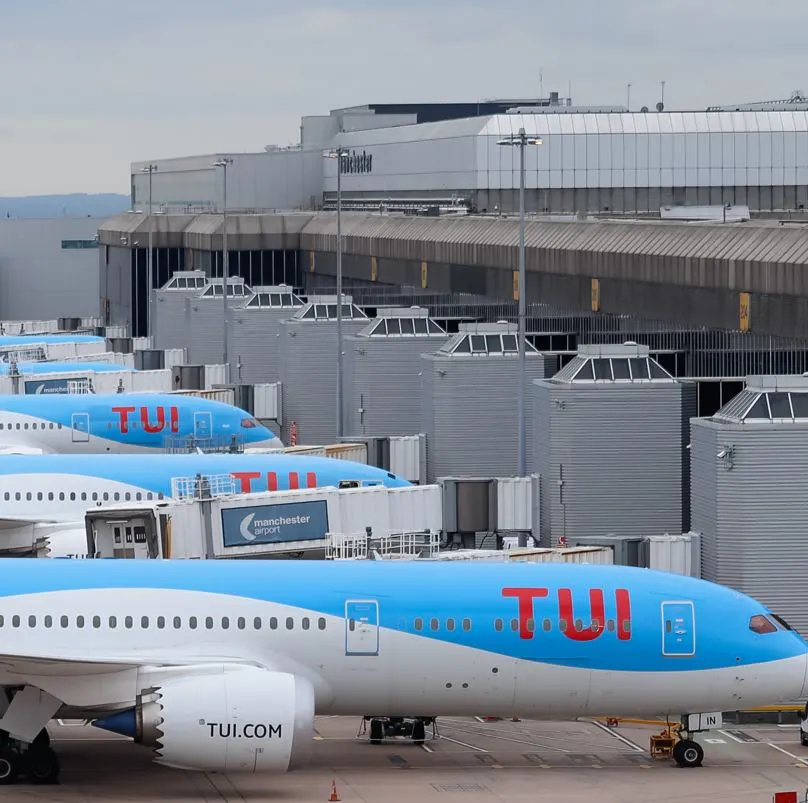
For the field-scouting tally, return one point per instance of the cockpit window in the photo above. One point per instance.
(760, 624)
(782, 622)
(248, 423)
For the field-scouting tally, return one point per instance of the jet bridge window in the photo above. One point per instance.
(760, 624)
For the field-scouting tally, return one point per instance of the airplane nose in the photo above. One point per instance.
(804, 693)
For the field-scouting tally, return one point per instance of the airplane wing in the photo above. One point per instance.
(10, 449)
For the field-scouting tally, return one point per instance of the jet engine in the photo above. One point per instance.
(222, 719)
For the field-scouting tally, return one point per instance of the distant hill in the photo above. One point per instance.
(77, 205)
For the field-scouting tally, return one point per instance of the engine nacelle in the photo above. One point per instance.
(230, 719)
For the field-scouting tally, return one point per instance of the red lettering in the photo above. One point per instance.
(311, 479)
(272, 481)
(294, 481)
(147, 425)
(123, 413)
(623, 614)
(175, 419)
(246, 478)
(567, 615)
(525, 597)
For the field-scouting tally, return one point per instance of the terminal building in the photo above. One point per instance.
(597, 160)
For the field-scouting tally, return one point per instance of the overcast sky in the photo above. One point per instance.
(89, 85)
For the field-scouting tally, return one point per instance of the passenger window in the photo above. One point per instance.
(273, 622)
(15, 621)
(72, 496)
(531, 626)
(50, 496)
(547, 625)
(241, 623)
(562, 625)
(450, 625)
(79, 621)
(83, 496)
(305, 623)
(29, 496)
(579, 625)
(225, 623)
(106, 496)
(144, 622)
(290, 623)
(61, 496)
(48, 621)
(177, 623)
(467, 625)
(419, 624)
(32, 621)
(433, 624)
(161, 622)
(668, 626)
(626, 625)
(113, 622)
(116, 496)
(257, 623)
(18, 496)
(610, 625)
(498, 625)
(139, 496)
(96, 622)
(192, 622)
(39, 496)
(7, 496)
(2, 620)
(63, 621)
(760, 624)
(95, 496)
(127, 496)
(515, 625)
(321, 623)
(209, 622)
(128, 622)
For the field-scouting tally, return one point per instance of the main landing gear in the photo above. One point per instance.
(36, 761)
(413, 728)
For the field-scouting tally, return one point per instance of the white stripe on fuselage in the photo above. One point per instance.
(411, 675)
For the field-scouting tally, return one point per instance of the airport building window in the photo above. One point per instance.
(257, 623)
(419, 624)
(321, 623)
(225, 623)
(467, 625)
(63, 621)
(241, 623)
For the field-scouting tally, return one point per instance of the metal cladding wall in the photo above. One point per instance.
(171, 320)
(204, 318)
(382, 379)
(617, 448)
(42, 280)
(589, 161)
(752, 515)
(469, 413)
(255, 343)
(308, 371)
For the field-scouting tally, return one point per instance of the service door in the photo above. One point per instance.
(678, 629)
(203, 426)
(362, 627)
(80, 422)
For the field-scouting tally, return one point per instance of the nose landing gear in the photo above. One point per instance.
(688, 753)
(36, 761)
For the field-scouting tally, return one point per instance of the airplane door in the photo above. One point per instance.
(80, 423)
(362, 627)
(203, 426)
(678, 629)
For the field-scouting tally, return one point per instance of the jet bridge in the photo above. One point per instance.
(211, 521)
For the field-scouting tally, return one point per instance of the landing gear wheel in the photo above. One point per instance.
(9, 767)
(43, 766)
(42, 739)
(688, 753)
(376, 731)
(418, 732)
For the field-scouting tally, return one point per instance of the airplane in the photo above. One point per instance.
(48, 495)
(47, 340)
(221, 666)
(133, 422)
(31, 367)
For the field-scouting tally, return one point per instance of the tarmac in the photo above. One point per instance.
(470, 759)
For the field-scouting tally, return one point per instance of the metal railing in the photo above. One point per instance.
(219, 444)
(203, 486)
(364, 546)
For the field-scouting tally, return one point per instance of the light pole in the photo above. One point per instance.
(150, 169)
(223, 163)
(521, 141)
(339, 154)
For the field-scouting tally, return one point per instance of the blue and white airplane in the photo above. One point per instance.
(222, 665)
(86, 423)
(48, 495)
(58, 367)
(47, 340)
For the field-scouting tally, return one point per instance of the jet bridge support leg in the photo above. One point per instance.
(24, 743)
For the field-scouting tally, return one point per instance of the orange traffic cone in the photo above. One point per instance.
(334, 795)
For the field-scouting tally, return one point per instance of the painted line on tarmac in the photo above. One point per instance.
(802, 761)
(464, 744)
(427, 748)
(611, 732)
(485, 735)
